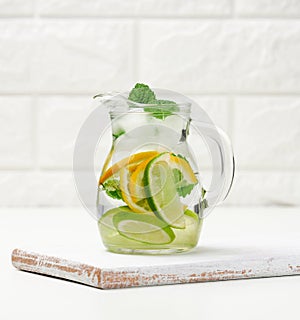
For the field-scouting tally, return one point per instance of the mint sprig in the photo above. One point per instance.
(112, 188)
(141, 93)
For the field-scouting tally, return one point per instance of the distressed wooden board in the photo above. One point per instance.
(241, 266)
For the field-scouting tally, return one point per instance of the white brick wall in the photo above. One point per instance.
(238, 58)
(221, 56)
(134, 8)
(268, 8)
(16, 131)
(59, 120)
(13, 8)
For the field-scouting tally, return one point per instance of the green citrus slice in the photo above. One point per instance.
(191, 214)
(161, 191)
(143, 228)
(107, 218)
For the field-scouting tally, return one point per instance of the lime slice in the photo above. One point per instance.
(191, 214)
(161, 191)
(109, 233)
(190, 235)
(107, 218)
(143, 228)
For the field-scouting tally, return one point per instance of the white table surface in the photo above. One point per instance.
(29, 296)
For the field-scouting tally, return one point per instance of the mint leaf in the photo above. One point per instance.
(141, 93)
(170, 105)
(164, 109)
(159, 113)
(182, 186)
(177, 175)
(112, 189)
(185, 189)
(118, 134)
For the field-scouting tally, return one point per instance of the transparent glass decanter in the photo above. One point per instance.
(150, 197)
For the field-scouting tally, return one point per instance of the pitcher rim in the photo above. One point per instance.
(134, 107)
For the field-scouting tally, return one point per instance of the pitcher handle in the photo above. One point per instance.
(223, 162)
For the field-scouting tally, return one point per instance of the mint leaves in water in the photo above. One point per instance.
(141, 93)
(112, 188)
(182, 186)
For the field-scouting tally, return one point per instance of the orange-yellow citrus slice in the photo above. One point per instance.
(136, 186)
(131, 161)
(140, 206)
(182, 165)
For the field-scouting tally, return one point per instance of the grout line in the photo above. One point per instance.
(24, 169)
(231, 16)
(204, 168)
(50, 94)
(253, 169)
(35, 10)
(58, 169)
(16, 169)
(201, 93)
(30, 169)
(146, 17)
(136, 51)
(38, 206)
(242, 16)
(267, 169)
(16, 16)
(233, 7)
(231, 118)
(34, 125)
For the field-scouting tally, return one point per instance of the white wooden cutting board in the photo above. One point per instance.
(93, 266)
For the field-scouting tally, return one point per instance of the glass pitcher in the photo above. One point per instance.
(150, 197)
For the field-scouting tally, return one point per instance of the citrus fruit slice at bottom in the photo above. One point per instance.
(107, 217)
(192, 216)
(161, 191)
(143, 228)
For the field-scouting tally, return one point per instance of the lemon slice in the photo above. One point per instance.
(136, 183)
(177, 162)
(161, 191)
(131, 162)
(139, 206)
(143, 228)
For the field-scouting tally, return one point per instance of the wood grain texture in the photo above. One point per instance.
(124, 277)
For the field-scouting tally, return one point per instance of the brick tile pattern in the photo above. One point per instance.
(238, 59)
